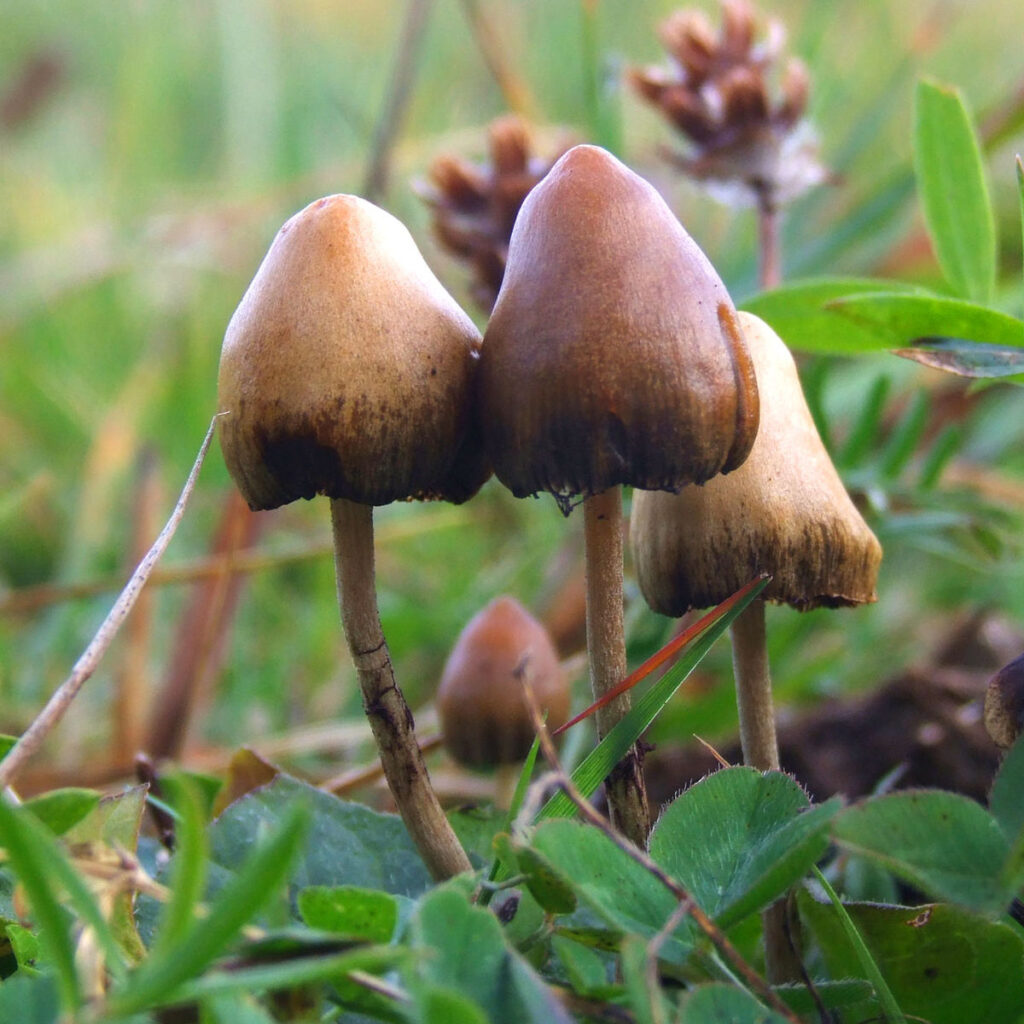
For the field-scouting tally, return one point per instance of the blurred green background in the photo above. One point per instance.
(150, 149)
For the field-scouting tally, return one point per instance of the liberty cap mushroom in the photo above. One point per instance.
(784, 511)
(484, 717)
(612, 357)
(346, 371)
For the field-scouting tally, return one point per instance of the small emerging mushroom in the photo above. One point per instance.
(784, 512)
(612, 357)
(484, 718)
(1004, 704)
(346, 371)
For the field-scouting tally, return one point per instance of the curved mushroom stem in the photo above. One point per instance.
(754, 689)
(389, 715)
(606, 645)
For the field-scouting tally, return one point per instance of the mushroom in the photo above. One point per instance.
(1004, 703)
(612, 357)
(484, 718)
(784, 512)
(346, 371)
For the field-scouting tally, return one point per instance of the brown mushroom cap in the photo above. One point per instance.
(480, 702)
(784, 511)
(612, 355)
(1004, 703)
(346, 369)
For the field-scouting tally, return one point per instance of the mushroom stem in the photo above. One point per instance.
(761, 751)
(606, 645)
(385, 706)
(769, 253)
(754, 689)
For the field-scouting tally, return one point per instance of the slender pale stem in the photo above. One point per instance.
(754, 689)
(761, 750)
(385, 706)
(606, 645)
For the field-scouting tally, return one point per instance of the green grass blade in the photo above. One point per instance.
(189, 869)
(954, 195)
(1020, 188)
(891, 1009)
(594, 768)
(905, 437)
(864, 432)
(33, 862)
(256, 882)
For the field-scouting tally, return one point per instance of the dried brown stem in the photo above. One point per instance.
(385, 706)
(32, 739)
(606, 644)
(769, 250)
(514, 90)
(756, 983)
(403, 75)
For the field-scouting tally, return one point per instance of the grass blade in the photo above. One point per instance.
(891, 1009)
(954, 195)
(258, 880)
(593, 769)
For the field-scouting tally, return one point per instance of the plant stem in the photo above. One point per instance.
(606, 645)
(385, 706)
(754, 689)
(770, 257)
(761, 751)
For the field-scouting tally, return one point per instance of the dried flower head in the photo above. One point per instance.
(475, 205)
(749, 143)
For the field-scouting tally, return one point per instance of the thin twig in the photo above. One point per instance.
(756, 983)
(513, 88)
(403, 75)
(32, 739)
(43, 595)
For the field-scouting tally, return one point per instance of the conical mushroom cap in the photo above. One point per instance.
(480, 702)
(784, 511)
(346, 369)
(612, 355)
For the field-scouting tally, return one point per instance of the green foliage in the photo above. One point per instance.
(142, 195)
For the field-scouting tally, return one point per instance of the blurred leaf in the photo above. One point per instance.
(594, 768)
(27, 949)
(718, 1003)
(954, 195)
(965, 358)
(264, 869)
(439, 1005)
(246, 772)
(898, 318)
(942, 843)
(349, 844)
(30, 999)
(738, 839)
(867, 425)
(800, 314)
(905, 437)
(33, 856)
(584, 968)
(554, 894)
(1005, 801)
(465, 950)
(353, 913)
(59, 809)
(1020, 189)
(847, 993)
(619, 890)
(233, 1008)
(942, 963)
(6, 743)
(115, 820)
(648, 1006)
(946, 445)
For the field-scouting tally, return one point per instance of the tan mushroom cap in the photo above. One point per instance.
(612, 355)
(1004, 703)
(784, 511)
(347, 368)
(484, 718)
